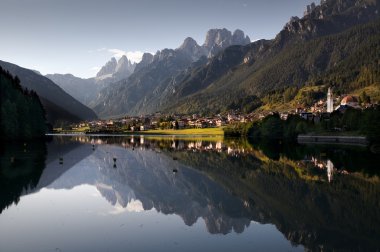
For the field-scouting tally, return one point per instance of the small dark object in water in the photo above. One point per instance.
(61, 160)
(175, 171)
(114, 159)
(93, 147)
(175, 158)
(133, 148)
(114, 166)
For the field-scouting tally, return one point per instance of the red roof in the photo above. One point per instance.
(349, 99)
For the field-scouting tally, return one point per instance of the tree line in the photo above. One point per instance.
(355, 121)
(22, 115)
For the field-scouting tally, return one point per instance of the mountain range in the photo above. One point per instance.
(140, 92)
(325, 46)
(87, 90)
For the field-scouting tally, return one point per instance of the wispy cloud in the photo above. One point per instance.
(134, 56)
(95, 68)
(117, 53)
(132, 206)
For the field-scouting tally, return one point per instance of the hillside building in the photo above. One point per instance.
(330, 101)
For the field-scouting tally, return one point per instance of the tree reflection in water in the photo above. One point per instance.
(321, 197)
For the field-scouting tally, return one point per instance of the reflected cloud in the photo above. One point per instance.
(228, 185)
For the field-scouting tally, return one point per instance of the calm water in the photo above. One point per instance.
(165, 194)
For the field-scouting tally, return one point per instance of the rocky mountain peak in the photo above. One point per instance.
(219, 39)
(115, 70)
(329, 17)
(146, 59)
(125, 66)
(188, 43)
(108, 69)
(238, 38)
(191, 48)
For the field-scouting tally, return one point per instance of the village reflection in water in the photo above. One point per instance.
(316, 197)
(233, 147)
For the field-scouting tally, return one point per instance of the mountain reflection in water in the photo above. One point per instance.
(319, 197)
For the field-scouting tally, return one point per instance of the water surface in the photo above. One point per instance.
(86, 193)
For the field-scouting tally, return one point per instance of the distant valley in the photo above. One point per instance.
(59, 106)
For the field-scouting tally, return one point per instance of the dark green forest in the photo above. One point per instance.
(22, 114)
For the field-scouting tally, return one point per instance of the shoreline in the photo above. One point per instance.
(330, 139)
(169, 132)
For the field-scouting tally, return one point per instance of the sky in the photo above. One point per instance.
(80, 36)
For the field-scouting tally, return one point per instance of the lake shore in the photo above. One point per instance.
(331, 139)
(166, 132)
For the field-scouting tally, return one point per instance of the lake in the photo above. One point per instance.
(136, 193)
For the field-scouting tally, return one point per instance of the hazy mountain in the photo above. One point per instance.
(219, 39)
(142, 91)
(116, 70)
(84, 90)
(192, 49)
(108, 69)
(59, 105)
(125, 96)
(124, 67)
(147, 58)
(87, 90)
(144, 176)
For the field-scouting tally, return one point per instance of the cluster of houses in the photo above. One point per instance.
(160, 121)
(317, 112)
(322, 109)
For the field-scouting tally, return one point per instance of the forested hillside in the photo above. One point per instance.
(22, 114)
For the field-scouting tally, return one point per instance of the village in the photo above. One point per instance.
(316, 113)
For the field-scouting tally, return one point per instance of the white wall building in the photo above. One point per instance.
(330, 101)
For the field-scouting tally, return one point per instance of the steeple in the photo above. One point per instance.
(330, 101)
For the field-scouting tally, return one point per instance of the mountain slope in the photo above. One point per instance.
(305, 51)
(22, 115)
(311, 49)
(143, 91)
(340, 60)
(58, 104)
(87, 90)
(83, 90)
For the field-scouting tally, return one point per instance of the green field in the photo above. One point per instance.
(204, 132)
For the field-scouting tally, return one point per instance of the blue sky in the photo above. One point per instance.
(79, 36)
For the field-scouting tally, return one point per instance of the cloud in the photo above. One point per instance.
(95, 68)
(117, 53)
(133, 206)
(134, 56)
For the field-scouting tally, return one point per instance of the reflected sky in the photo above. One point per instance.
(81, 220)
(86, 204)
(121, 193)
